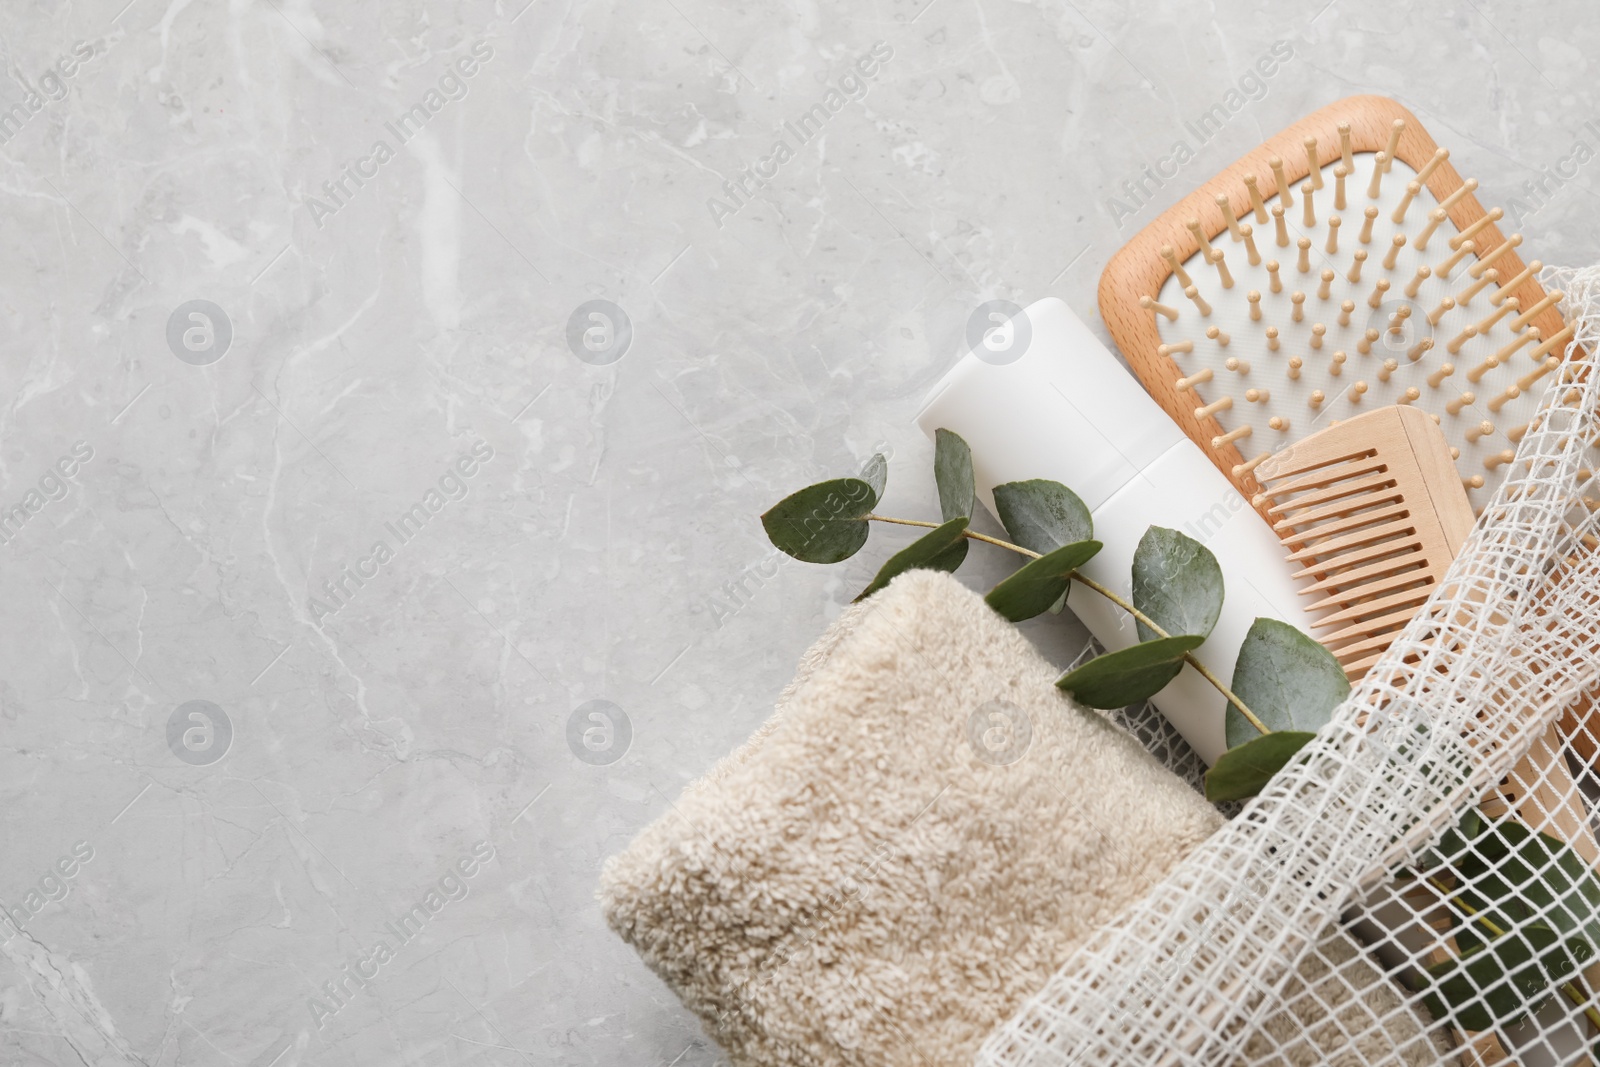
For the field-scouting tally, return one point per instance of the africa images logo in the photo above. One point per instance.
(356, 974)
(53, 485)
(451, 86)
(452, 486)
(51, 89)
(852, 85)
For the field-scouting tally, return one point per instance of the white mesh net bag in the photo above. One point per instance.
(1432, 821)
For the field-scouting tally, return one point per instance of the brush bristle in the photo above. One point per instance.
(1320, 313)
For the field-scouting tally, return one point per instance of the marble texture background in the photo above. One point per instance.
(355, 749)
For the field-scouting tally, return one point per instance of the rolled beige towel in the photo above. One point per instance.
(924, 830)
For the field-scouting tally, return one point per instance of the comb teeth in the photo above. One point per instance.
(1353, 478)
(1372, 512)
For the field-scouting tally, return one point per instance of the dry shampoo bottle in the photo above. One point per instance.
(1043, 398)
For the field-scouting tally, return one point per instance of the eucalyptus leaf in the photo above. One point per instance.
(1286, 679)
(822, 523)
(1242, 771)
(1042, 515)
(1486, 845)
(1476, 913)
(952, 473)
(1456, 841)
(1497, 985)
(1554, 880)
(1512, 867)
(924, 552)
(1177, 582)
(1560, 957)
(950, 558)
(1035, 586)
(1137, 673)
(1524, 911)
(875, 472)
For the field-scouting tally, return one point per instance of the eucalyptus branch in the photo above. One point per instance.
(1569, 989)
(1117, 599)
(965, 533)
(1451, 896)
(1205, 672)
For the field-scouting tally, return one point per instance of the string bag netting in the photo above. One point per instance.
(1418, 824)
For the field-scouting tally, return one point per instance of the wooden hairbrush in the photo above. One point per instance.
(1372, 515)
(1342, 266)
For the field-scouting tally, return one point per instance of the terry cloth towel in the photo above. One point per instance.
(919, 836)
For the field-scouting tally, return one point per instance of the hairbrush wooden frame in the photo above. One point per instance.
(1138, 269)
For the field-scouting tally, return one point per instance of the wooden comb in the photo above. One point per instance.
(1341, 266)
(1372, 514)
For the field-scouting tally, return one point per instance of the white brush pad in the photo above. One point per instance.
(1290, 398)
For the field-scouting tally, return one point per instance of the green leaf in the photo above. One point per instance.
(1042, 515)
(1560, 957)
(950, 558)
(1242, 771)
(1457, 840)
(952, 472)
(925, 552)
(1498, 985)
(1548, 876)
(1033, 588)
(1525, 913)
(822, 523)
(875, 472)
(1286, 679)
(1177, 582)
(1458, 847)
(1118, 679)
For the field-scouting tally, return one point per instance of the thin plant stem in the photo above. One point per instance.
(1111, 595)
(1193, 661)
(969, 533)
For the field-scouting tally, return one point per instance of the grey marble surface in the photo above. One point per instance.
(393, 213)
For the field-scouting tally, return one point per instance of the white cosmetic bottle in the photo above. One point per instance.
(1065, 409)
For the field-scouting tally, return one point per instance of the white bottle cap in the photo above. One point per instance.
(1041, 393)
